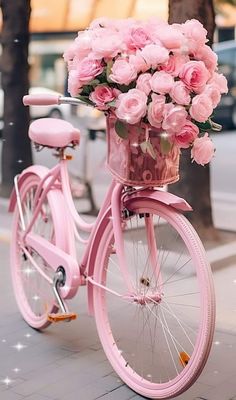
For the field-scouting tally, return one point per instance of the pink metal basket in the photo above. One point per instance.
(132, 167)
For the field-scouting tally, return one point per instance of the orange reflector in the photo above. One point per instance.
(183, 358)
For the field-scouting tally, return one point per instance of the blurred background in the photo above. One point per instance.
(54, 24)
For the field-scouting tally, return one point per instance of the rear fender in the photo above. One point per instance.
(38, 170)
(166, 198)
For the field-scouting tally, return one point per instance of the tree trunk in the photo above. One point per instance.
(16, 149)
(194, 184)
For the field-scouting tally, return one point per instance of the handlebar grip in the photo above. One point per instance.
(41, 99)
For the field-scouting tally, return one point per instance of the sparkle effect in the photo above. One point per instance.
(28, 271)
(19, 346)
(7, 381)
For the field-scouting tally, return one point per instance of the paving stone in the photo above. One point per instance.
(15, 381)
(96, 389)
(38, 397)
(8, 394)
(122, 392)
(64, 385)
(224, 391)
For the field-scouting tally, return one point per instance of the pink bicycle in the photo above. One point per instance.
(149, 283)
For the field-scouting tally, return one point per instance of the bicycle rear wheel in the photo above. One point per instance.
(33, 293)
(158, 338)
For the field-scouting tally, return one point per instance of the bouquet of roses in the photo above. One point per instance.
(153, 73)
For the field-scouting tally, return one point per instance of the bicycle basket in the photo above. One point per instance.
(131, 166)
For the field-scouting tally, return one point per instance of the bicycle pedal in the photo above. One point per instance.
(58, 317)
(184, 358)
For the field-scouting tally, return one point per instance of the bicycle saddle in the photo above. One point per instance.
(53, 132)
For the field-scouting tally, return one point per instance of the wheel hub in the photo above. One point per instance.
(147, 298)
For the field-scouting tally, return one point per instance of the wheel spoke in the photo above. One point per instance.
(34, 278)
(162, 322)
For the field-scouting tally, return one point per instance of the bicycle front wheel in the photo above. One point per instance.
(158, 337)
(33, 293)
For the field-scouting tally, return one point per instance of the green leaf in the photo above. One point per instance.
(203, 126)
(85, 99)
(111, 103)
(121, 129)
(95, 82)
(86, 90)
(165, 145)
(126, 88)
(147, 147)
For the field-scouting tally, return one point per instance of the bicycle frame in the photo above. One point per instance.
(125, 272)
(117, 197)
(116, 200)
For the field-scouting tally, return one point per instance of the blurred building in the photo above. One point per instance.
(54, 25)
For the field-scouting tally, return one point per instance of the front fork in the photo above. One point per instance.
(116, 213)
(152, 247)
(117, 221)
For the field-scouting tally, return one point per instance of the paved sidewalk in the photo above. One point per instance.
(66, 362)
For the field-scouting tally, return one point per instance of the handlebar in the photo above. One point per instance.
(49, 99)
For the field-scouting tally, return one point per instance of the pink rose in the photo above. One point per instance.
(136, 38)
(143, 83)
(152, 22)
(186, 135)
(154, 54)
(174, 118)
(74, 84)
(220, 81)
(194, 75)
(207, 55)
(87, 69)
(151, 26)
(213, 92)
(107, 45)
(123, 72)
(195, 34)
(83, 44)
(174, 64)
(101, 95)
(131, 106)
(170, 37)
(155, 110)
(161, 82)
(202, 150)
(124, 24)
(70, 53)
(201, 108)
(138, 62)
(180, 94)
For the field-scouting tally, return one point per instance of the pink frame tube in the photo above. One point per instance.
(53, 174)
